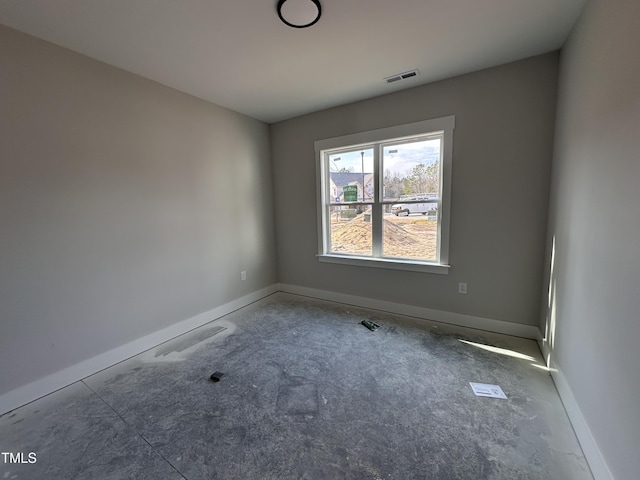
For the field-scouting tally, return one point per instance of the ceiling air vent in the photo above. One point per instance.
(402, 76)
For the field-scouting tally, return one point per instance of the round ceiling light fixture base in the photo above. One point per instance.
(299, 13)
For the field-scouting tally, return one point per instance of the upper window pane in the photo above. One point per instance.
(351, 176)
(411, 170)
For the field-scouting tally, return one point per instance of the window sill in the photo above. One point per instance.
(390, 264)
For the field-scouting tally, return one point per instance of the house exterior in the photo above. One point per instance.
(341, 179)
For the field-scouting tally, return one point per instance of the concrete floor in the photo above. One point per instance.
(308, 393)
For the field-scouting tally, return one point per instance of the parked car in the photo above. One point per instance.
(409, 208)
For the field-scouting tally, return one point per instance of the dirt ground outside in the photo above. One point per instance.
(413, 236)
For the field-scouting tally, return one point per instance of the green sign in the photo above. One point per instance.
(350, 193)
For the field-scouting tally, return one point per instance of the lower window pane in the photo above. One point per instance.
(413, 236)
(351, 230)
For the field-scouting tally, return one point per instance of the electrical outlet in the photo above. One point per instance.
(243, 275)
(462, 288)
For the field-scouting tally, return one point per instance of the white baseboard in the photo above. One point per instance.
(487, 324)
(544, 348)
(49, 384)
(592, 453)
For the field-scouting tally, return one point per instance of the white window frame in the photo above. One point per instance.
(443, 125)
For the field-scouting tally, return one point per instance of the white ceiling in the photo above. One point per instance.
(238, 54)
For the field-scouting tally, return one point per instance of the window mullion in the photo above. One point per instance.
(376, 209)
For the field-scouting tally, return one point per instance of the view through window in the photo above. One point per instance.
(386, 199)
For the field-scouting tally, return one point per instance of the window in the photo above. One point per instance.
(383, 197)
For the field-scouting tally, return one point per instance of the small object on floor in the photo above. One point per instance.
(487, 390)
(216, 376)
(370, 325)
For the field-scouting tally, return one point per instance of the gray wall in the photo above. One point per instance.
(501, 160)
(593, 320)
(125, 207)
